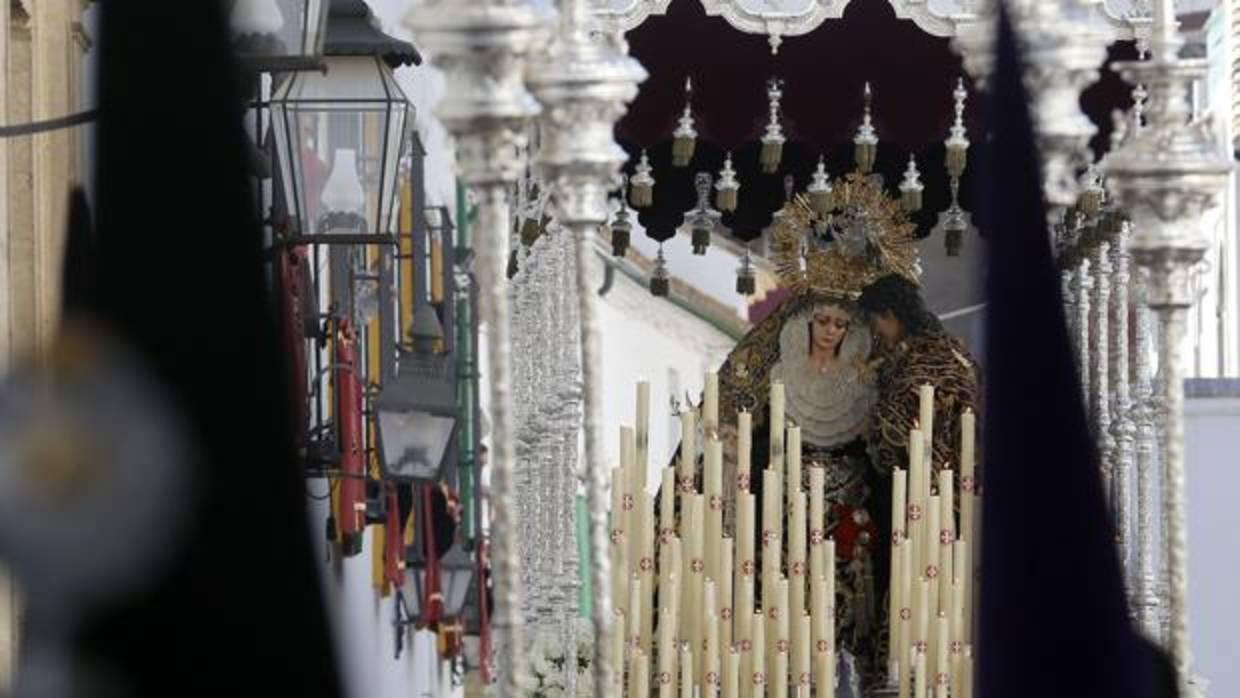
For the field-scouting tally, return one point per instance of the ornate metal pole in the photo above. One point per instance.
(1099, 371)
(1166, 177)
(1146, 587)
(1122, 429)
(586, 85)
(481, 46)
(1082, 284)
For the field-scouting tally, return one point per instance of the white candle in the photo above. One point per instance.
(817, 521)
(645, 568)
(899, 506)
(823, 632)
(796, 556)
(963, 569)
(743, 616)
(777, 424)
(686, 672)
(667, 657)
(931, 570)
(780, 675)
(712, 482)
(710, 403)
(926, 395)
(920, 683)
(640, 679)
(688, 449)
(921, 631)
(801, 654)
(942, 658)
(632, 492)
(744, 558)
(966, 673)
(744, 448)
(695, 575)
(732, 674)
(757, 655)
(906, 616)
(771, 531)
(643, 424)
(947, 534)
(619, 550)
(617, 651)
(708, 661)
(632, 624)
(667, 506)
(725, 599)
(918, 492)
(792, 469)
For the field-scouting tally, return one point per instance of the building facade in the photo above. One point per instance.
(42, 46)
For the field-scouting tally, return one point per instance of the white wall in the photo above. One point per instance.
(1213, 440)
(650, 338)
(362, 623)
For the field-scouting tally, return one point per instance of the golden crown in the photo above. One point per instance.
(864, 234)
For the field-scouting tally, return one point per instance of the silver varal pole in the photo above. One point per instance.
(481, 47)
(585, 85)
(1166, 178)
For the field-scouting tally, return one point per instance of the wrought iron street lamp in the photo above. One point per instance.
(340, 135)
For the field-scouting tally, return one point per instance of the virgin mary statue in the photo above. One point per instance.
(817, 346)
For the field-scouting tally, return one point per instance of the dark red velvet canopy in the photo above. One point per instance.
(912, 75)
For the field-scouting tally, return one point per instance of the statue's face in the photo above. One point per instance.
(827, 327)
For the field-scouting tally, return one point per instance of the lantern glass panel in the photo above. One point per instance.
(278, 34)
(337, 131)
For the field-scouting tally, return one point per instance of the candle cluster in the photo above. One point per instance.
(712, 636)
(930, 598)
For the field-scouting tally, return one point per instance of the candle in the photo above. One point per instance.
(643, 424)
(667, 657)
(906, 616)
(933, 510)
(771, 532)
(956, 613)
(757, 655)
(634, 486)
(619, 562)
(632, 624)
(777, 425)
(783, 617)
(792, 469)
(926, 395)
(686, 672)
(688, 445)
(961, 565)
(640, 680)
(742, 631)
(725, 598)
(817, 520)
(710, 403)
(920, 683)
(796, 556)
(899, 506)
(667, 506)
(968, 434)
(671, 576)
(921, 633)
(709, 660)
(691, 626)
(744, 447)
(824, 651)
(942, 658)
(645, 568)
(947, 534)
(712, 482)
(800, 654)
(617, 652)
(966, 673)
(744, 536)
(917, 492)
(780, 675)
(732, 674)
